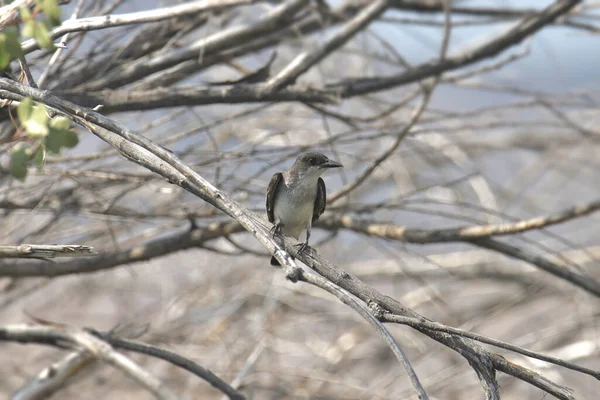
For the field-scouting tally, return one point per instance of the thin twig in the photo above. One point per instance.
(415, 322)
(363, 310)
(109, 21)
(304, 61)
(46, 251)
(173, 358)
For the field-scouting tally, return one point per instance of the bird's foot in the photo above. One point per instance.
(302, 246)
(275, 230)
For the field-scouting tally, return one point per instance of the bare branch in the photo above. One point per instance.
(101, 350)
(158, 14)
(526, 28)
(420, 236)
(138, 100)
(415, 322)
(306, 60)
(54, 377)
(160, 246)
(46, 251)
(173, 358)
(481, 360)
(467, 233)
(363, 310)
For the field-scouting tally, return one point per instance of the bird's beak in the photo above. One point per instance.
(332, 164)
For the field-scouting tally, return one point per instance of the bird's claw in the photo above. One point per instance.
(275, 230)
(302, 246)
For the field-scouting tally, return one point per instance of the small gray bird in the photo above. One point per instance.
(296, 198)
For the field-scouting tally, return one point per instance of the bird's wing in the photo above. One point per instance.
(271, 190)
(320, 200)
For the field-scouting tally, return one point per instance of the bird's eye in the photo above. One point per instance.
(313, 161)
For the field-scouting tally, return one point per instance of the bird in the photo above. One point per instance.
(296, 198)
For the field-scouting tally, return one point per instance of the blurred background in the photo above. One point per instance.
(507, 137)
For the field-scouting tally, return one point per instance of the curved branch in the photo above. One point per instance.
(364, 311)
(61, 337)
(484, 362)
(173, 358)
(146, 153)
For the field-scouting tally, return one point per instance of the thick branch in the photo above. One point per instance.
(146, 153)
(141, 252)
(54, 377)
(137, 100)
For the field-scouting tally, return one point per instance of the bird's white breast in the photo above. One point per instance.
(295, 212)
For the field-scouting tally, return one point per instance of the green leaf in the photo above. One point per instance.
(35, 29)
(39, 157)
(37, 123)
(42, 36)
(13, 45)
(25, 14)
(4, 55)
(51, 9)
(57, 139)
(18, 158)
(71, 139)
(54, 141)
(60, 123)
(60, 135)
(10, 47)
(29, 28)
(25, 109)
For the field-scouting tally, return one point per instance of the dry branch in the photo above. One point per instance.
(479, 236)
(304, 61)
(73, 338)
(144, 152)
(363, 310)
(140, 17)
(46, 251)
(134, 73)
(483, 362)
(54, 377)
(526, 28)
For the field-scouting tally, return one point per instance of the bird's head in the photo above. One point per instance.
(314, 164)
